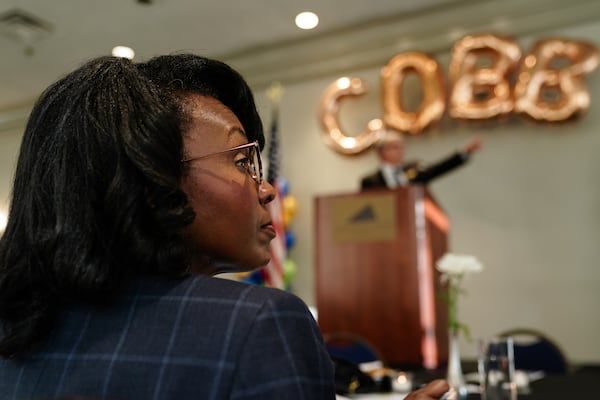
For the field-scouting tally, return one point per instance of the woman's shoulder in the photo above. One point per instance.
(251, 292)
(201, 289)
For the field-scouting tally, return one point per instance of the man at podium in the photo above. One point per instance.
(393, 172)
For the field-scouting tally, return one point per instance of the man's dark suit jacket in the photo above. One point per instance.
(195, 338)
(416, 174)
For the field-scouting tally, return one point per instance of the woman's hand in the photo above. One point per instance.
(432, 391)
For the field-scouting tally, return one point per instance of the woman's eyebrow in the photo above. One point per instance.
(237, 130)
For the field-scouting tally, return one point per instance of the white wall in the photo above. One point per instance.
(528, 205)
(9, 144)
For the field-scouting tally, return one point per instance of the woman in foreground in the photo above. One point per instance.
(135, 185)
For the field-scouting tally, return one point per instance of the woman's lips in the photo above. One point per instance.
(269, 229)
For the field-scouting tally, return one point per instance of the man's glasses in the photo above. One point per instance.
(253, 163)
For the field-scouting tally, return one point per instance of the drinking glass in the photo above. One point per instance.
(496, 365)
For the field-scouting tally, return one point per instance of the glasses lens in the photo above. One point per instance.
(256, 165)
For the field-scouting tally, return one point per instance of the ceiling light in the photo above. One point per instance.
(123, 51)
(307, 20)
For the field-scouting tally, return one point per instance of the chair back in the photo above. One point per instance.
(535, 351)
(350, 347)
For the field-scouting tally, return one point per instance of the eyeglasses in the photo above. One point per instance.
(253, 164)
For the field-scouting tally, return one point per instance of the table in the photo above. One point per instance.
(583, 382)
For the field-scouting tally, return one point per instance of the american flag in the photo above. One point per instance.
(273, 272)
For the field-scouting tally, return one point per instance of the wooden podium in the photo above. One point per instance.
(375, 272)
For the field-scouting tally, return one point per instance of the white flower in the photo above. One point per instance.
(458, 264)
(454, 267)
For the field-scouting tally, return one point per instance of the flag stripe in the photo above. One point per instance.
(274, 270)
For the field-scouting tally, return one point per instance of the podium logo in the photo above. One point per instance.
(366, 214)
(364, 219)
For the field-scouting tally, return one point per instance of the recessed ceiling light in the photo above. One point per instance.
(307, 20)
(123, 51)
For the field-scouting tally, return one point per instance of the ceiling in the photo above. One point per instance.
(75, 30)
(257, 37)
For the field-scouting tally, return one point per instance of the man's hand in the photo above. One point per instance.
(473, 145)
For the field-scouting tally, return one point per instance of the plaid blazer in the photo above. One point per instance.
(195, 338)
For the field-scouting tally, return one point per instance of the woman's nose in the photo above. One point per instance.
(266, 192)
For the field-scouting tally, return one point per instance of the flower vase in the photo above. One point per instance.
(454, 374)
